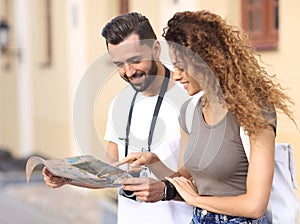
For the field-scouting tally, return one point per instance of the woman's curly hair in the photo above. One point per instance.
(247, 88)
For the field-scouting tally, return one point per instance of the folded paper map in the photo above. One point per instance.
(81, 169)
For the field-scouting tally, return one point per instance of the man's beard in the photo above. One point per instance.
(140, 87)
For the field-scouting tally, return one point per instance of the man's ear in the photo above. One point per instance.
(156, 49)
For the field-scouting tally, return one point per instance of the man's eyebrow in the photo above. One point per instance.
(129, 60)
(134, 58)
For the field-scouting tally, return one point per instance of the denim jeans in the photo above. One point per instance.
(201, 216)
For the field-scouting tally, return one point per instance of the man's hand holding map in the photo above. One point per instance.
(81, 169)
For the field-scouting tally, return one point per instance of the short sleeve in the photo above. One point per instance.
(182, 116)
(271, 117)
(110, 134)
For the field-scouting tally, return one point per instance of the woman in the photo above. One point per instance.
(216, 178)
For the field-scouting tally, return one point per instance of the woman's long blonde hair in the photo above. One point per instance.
(247, 88)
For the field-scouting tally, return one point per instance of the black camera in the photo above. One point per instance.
(127, 194)
(145, 172)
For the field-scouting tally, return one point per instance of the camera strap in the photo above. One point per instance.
(162, 92)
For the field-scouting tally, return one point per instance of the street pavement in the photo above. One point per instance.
(32, 203)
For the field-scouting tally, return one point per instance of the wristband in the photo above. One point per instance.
(170, 191)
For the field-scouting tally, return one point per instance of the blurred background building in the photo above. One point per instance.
(48, 45)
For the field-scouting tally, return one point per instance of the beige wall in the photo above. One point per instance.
(8, 96)
(50, 84)
(99, 13)
(53, 87)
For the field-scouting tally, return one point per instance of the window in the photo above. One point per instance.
(124, 6)
(260, 20)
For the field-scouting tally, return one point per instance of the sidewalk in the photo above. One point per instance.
(35, 203)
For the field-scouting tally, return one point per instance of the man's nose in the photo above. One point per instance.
(129, 70)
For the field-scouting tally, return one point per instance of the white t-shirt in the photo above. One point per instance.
(165, 143)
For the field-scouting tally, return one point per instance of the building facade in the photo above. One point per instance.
(51, 44)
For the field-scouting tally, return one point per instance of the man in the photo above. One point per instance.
(141, 118)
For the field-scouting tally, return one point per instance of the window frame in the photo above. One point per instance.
(267, 37)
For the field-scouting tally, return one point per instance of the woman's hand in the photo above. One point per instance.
(185, 188)
(138, 159)
(53, 181)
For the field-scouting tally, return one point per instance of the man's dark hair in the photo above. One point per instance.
(121, 27)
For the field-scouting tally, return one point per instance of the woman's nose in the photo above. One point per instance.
(176, 74)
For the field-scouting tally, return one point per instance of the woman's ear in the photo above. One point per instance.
(156, 50)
